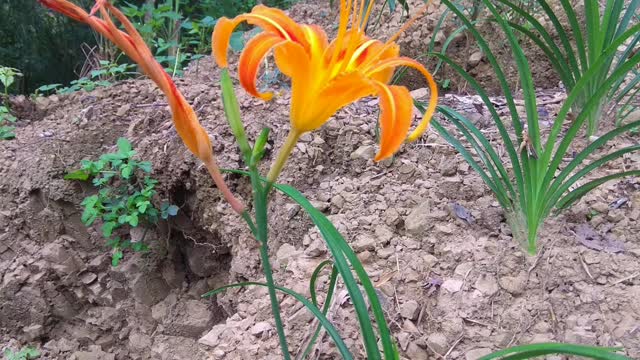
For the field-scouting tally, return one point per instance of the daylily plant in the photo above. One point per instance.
(327, 76)
(131, 43)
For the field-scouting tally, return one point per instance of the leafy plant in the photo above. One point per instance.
(6, 131)
(124, 199)
(8, 76)
(591, 36)
(83, 83)
(538, 183)
(112, 71)
(46, 89)
(26, 353)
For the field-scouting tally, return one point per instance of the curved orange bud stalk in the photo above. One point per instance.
(131, 43)
(325, 76)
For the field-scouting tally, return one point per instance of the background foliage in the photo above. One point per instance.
(45, 48)
(48, 48)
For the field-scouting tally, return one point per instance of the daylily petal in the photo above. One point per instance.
(317, 40)
(98, 5)
(272, 21)
(292, 60)
(287, 27)
(66, 8)
(396, 112)
(433, 88)
(185, 120)
(339, 93)
(251, 58)
(379, 52)
(220, 39)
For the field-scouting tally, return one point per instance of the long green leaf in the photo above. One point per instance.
(341, 251)
(327, 302)
(567, 65)
(339, 248)
(331, 330)
(559, 185)
(453, 141)
(509, 146)
(500, 185)
(533, 350)
(578, 193)
(573, 129)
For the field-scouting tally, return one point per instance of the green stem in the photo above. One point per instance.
(532, 236)
(260, 195)
(283, 155)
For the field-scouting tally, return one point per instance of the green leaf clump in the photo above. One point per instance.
(124, 199)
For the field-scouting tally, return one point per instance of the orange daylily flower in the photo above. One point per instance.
(326, 77)
(131, 43)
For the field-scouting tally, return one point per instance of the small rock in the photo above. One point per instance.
(429, 260)
(364, 152)
(391, 217)
(410, 327)
(417, 222)
(139, 341)
(487, 284)
(33, 332)
(261, 328)
(419, 93)
(476, 354)
(285, 252)
(385, 253)
(123, 110)
(212, 337)
(438, 342)
(338, 201)
(149, 288)
(415, 352)
(316, 248)
(192, 318)
(292, 210)
(514, 285)
(410, 310)
(452, 285)
(364, 242)
(87, 277)
(449, 168)
(403, 340)
(475, 59)
(92, 355)
(384, 234)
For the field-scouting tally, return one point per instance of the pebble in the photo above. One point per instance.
(410, 310)
(476, 354)
(438, 342)
(452, 285)
(487, 284)
(261, 328)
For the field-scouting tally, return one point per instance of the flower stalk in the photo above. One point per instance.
(283, 156)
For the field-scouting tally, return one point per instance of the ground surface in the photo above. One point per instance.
(450, 286)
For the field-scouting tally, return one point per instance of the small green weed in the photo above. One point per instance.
(26, 353)
(6, 132)
(8, 76)
(124, 198)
